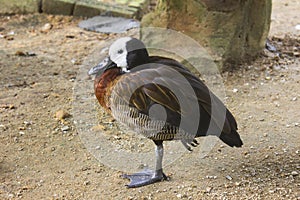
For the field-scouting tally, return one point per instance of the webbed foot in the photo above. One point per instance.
(145, 177)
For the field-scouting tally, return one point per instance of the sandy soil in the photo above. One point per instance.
(42, 155)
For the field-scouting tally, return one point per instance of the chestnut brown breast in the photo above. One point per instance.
(103, 86)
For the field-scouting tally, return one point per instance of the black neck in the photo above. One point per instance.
(137, 53)
(137, 57)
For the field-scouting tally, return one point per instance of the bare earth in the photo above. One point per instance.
(42, 157)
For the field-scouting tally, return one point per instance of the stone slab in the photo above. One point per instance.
(130, 3)
(106, 24)
(19, 6)
(58, 7)
(90, 8)
(86, 8)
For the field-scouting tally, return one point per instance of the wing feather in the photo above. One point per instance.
(141, 88)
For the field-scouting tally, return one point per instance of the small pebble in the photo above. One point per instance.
(65, 128)
(25, 54)
(117, 137)
(294, 173)
(46, 28)
(20, 53)
(86, 183)
(208, 189)
(267, 156)
(235, 90)
(73, 60)
(97, 147)
(229, 177)
(211, 177)
(62, 114)
(27, 123)
(3, 127)
(22, 133)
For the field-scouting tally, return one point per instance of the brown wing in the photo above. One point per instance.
(158, 84)
(178, 91)
(206, 98)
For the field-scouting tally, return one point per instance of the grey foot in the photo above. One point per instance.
(145, 177)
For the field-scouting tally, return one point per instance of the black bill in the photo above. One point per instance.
(102, 66)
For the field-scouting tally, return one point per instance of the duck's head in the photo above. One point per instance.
(125, 53)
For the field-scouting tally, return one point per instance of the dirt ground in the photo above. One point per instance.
(42, 155)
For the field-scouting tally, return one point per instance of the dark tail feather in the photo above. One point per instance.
(231, 120)
(232, 139)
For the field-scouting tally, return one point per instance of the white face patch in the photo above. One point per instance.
(118, 53)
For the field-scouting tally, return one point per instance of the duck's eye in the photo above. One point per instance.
(120, 51)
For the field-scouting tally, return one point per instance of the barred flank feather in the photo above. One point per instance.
(143, 124)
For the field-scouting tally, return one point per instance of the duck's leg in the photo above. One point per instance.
(147, 176)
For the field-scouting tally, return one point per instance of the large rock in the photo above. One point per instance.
(233, 31)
